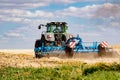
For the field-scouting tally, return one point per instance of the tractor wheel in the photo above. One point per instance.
(101, 50)
(69, 52)
(37, 43)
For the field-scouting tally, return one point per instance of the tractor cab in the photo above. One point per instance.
(56, 32)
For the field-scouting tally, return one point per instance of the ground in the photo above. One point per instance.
(25, 58)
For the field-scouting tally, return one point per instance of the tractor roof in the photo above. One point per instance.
(57, 23)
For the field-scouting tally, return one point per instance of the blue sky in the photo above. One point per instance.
(93, 20)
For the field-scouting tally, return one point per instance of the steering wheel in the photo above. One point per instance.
(56, 30)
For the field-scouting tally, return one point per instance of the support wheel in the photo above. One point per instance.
(101, 50)
(69, 52)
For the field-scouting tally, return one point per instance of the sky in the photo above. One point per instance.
(93, 20)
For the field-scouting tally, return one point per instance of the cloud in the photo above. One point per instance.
(17, 15)
(9, 36)
(70, 1)
(24, 13)
(18, 37)
(23, 32)
(106, 10)
(26, 4)
(114, 24)
(113, 1)
(31, 4)
(22, 6)
(10, 19)
(12, 34)
(3, 39)
(76, 1)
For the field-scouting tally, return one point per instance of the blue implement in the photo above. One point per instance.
(80, 47)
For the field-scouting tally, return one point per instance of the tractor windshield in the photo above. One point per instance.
(56, 27)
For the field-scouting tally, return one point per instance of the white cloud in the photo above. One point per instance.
(115, 24)
(39, 13)
(24, 32)
(77, 12)
(23, 16)
(28, 4)
(10, 19)
(89, 34)
(12, 34)
(22, 4)
(18, 37)
(66, 1)
(24, 13)
(107, 10)
(76, 1)
(73, 1)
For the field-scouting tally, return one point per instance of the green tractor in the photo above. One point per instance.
(55, 35)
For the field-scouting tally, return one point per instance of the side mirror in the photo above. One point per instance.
(39, 27)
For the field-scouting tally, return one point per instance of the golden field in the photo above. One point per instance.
(25, 58)
(116, 46)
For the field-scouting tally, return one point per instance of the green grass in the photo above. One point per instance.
(103, 75)
(80, 71)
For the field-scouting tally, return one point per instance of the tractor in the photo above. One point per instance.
(57, 40)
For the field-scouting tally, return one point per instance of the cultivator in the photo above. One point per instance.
(56, 40)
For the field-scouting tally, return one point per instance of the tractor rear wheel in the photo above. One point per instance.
(38, 43)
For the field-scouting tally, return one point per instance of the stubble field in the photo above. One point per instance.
(20, 64)
(25, 58)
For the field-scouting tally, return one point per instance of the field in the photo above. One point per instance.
(22, 65)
